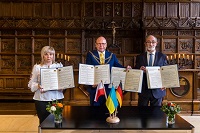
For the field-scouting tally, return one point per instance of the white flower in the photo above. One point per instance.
(53, 108)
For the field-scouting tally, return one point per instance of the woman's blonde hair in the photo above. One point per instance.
(47, 49)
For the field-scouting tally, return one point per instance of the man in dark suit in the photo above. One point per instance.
(93, 58)
(154, 96)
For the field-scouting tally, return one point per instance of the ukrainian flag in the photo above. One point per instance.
(111, 101)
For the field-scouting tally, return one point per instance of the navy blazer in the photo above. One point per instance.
(110, 58)
(93, 59)
(160, 60)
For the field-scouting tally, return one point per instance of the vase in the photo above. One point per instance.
(171, 119)
(58, 118)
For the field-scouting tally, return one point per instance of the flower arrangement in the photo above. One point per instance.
(170, 110)
(55, 108)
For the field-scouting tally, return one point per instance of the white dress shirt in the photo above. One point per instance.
(153, 57)
(35, 80)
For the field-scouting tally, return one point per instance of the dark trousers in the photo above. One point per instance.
(101, 100)
(144, 101)
(42, 113)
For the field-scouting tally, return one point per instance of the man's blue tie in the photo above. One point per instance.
(150, 59)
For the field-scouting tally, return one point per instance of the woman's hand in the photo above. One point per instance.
(41, 88)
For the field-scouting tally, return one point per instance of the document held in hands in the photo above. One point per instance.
(57, 78)
(165, 76)
(94, 74)
(131, 79)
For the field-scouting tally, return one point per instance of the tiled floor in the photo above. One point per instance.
(29, 124)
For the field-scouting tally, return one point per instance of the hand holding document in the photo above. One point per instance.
(131, 79)
(90, 74)
(165, 76)
(118, 75)
(57, 78)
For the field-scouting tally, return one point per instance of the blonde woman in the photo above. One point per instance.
(43, 97)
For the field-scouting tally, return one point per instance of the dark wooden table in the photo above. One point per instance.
(131, 118)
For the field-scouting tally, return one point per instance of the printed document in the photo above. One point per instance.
(57, 78)
(165, 76)
(131, 79)
(94, 74)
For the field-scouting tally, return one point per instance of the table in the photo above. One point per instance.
(131, 118)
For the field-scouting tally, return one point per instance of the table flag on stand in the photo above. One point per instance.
(111, 101)
(119, 94)
(100, 91)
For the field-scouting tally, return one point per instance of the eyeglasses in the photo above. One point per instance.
(151, 42)
(101, 43)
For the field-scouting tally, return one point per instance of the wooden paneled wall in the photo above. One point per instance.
(72, 26)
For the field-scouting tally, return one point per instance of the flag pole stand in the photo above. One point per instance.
(111, 119)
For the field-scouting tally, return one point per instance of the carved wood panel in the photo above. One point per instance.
(72, 26)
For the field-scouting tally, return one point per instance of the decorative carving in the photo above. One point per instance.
(39, 44)
(170, 32)
(23, 64)
(23, 23)
(58, 45)
(23, 45)
(154, 32)
(118, 9)
(197, 46)
(74, 32)
(185, 45)
(24, 32)
(137, 10)
(8, 64)
(127, 9)
(186, 33)
(7, 45)
(73, 45)
(57, 32)
(76, 6)
(98, 9)
(169, 45)
(88, 9)
(7, 32)
(154, 22)
(108, 9)
(41, 32)
(93, 24)
(197, 33)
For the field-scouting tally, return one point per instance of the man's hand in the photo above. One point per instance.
(128, 67)
(163, 88)
(143, 68)
(94, 86)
